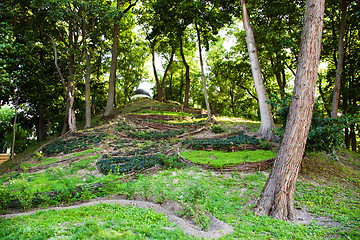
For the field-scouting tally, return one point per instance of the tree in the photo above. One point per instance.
(203, 74)
(267, 122)
(340, 61)
(114, 55)
(277, 196)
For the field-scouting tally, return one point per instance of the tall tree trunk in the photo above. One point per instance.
(157, 81)
(87, 76)
(277, 196)
(112, 77)
(187, 74)
(14, 129)
(161, 91)
(70, 89)
(267, 122)
(336, 94)
(87, 91)
(41, 126)
(353, 138)
(203, 75)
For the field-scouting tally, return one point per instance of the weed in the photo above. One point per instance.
(24, 192)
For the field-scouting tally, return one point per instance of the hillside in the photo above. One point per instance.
(159, 171)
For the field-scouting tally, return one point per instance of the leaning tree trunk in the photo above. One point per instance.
(267, 122)
(161, 90)
(277, 196)
(336, 94)
(203, 75)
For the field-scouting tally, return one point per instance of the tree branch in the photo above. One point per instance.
(56, 63)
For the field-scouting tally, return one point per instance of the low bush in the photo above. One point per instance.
(217, 129)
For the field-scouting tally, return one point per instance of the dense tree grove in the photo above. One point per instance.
(65, 61)
(57, 56)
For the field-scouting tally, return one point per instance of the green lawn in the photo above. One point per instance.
(220, 158)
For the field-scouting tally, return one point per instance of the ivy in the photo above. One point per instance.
(126, 164)
(67, 146)
(221, 144)
(154, 135)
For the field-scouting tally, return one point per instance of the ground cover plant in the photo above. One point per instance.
(154, 135)
(326, 188)
(221, 144)
(76, 143)
(126, 164)
(233, 205)
(220, 159)
(103, 221)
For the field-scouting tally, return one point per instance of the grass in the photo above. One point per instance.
(103, 221)
(228, 197)
(325, 188)
(221, 159)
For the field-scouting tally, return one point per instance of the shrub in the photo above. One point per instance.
(326, 134)
(217, 129)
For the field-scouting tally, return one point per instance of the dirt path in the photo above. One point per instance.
(216, 230)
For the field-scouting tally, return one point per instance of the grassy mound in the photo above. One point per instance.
(220, 159)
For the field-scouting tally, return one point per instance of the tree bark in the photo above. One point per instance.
(353, 138)
(112, 77)
(41, 126)
(203, 75)
(70, 89)
(187, 75)
(277, 196)
(267, 122)
(14, 129)
(87, 91)
(158, 86)
(161, 90)
(336, 94)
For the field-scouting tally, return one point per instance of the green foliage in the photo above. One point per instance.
(326, 134)
(122, 126)
(4, 198)
(103, 221)
(194, 202)
(6, 115)
(67, 146)
(217, 129)
(24, 192)
(221, 144)
(126, 164)
(147, 135)
(220, 159)
(171, 162)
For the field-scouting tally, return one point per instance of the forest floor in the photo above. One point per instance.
(55, 191)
